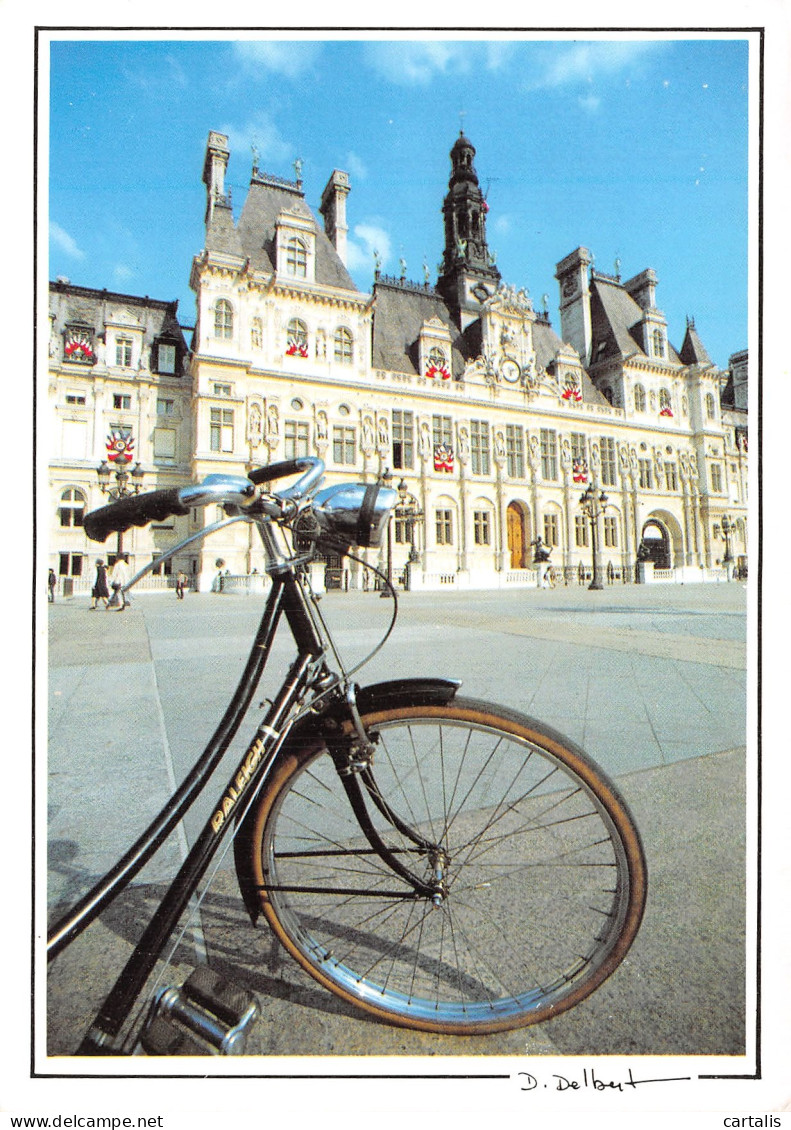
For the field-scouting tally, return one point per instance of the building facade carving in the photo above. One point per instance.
(495, 421)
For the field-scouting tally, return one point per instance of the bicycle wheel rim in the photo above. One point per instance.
(545, 884)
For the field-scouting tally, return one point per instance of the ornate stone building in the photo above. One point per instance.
(120, 402)
(491, 421)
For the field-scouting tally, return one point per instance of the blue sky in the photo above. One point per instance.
(633, 147)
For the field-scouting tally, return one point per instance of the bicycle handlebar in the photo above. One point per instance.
(140, 509)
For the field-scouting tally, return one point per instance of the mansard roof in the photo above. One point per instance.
(615, 322)
(253, 237)
(83, 305)
(400, 309)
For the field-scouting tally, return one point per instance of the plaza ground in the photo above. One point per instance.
(650, 680)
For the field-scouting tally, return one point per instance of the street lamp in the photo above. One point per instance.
(386, 479)
(408, 509)
(122, 488)
(594, 506)
(727, 529)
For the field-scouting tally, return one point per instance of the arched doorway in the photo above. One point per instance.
(655, 545)
(517, 535)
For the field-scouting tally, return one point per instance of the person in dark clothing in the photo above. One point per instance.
(100, 590)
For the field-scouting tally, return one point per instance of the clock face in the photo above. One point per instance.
(510, 371)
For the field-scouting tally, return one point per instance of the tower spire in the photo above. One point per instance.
(469, 274)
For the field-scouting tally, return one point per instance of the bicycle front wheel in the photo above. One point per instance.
(538, 862)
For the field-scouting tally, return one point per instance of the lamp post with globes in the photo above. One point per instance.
(593, 506)
(127, 483)
(727, 529)
(408, 510)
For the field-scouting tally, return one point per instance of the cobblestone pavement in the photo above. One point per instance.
(651, 680)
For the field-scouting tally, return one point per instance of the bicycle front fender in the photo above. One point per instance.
(311, 733)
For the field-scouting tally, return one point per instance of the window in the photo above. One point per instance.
(165, 443)
(162, 568)
(610, 532)
(75, 398)
(257, 333)
(344, 444)
(295, 436)
(296, 258)
(403, 440)
(165, 407)
(716, 478)
(401, 530)
(479, 447)
(551, 536)
(221, 429)
(223, 319)
(671, 476)
(166, 358)
(344, 346)
(549, 454)
(72, 507)
(222, 390)
(123, 352)
(481, 527)
(639, 398)
(441, 431)
(297, 338)
(444, 526)
(123, 402)
(608, 466)
(437, 363)
(514, 452)
(710, 410)
(646, 474)
(659, 343)
(70, 565)
(580, 530)
(664, 403)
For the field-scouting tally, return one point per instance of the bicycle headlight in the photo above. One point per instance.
(345, 515)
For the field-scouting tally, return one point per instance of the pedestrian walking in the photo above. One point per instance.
(118, 579)
(100, 590)
(181, 584)
(52, 582)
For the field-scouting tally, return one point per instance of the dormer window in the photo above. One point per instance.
(639, 398)
(296, 258)
(123, 352)
(166, 358)
(659, 343)
(295, 243)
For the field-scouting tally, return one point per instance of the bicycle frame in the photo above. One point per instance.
(286, 597)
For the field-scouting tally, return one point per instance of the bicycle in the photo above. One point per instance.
(443, 863)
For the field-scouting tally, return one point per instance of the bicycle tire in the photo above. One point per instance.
(545, 877)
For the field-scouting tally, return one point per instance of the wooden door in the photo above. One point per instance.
(516, 535)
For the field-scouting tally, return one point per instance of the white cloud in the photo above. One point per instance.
(122, 273)
(64, 242)
(356, 167)
(360, 247)
(261, 132)
(418, 62)
(585, 62)
(291, 58)
(590, 102)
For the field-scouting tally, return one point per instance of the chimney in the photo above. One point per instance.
(642, 288)
(214, 165)
(575, 301)
(333, 209)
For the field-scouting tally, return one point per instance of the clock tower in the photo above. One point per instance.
(469, 275)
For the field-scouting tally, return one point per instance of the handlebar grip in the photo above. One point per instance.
(311, 468)
(280, 470)
(137, 510)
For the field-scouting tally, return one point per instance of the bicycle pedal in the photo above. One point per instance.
(207, 1015)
